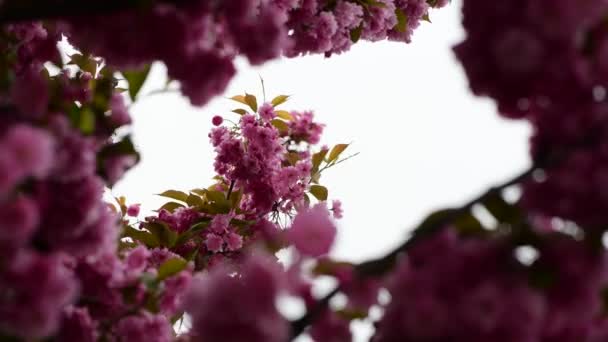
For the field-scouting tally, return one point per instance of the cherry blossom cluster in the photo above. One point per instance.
(267, 178)
(267, 173)
(477, 289)
(545, 61)
(198, 40)
(539, 272)
(75, 268)
(57, 152)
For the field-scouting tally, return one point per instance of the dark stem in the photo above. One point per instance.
(230, 190)
(380, 266)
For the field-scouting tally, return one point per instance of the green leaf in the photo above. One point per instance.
(200, 192)
(252, 102)
(427, 18)
(241, 223)
(84, 62)
(194, 200)
(192, 231)
(86, 122)
(279, 100)
(142, 236)
(319, 191)
(280, 125)
(542, 277)
(175, 194)
(215, 196)
(330, 267)
(336, 151)
(136, 79)
(124, 245)
(239, 111)
(175, 318)
(171, 267)
(171, 206)
(351, 314)
(433, 223)
(239, 98)
(283, 114)
(316, 177)
(433, 3)
(164, 234)
(501, 210)
(467, 224)
(292, 158)
(355, 34)
(306, 199)
(235, 198)
(401, 20)
(123, 147)
(219, 203)
(317, 159)
(372, 3)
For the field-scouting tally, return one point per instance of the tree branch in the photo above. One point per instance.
(380, 266)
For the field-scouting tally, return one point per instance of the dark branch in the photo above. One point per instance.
(380, 266)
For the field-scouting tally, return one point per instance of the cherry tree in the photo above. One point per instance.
(74, 267)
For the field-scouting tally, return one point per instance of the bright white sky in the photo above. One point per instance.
(425, 142)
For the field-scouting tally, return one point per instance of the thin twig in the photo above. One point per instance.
(230, 190)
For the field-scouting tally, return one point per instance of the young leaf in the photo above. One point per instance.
(192, 231)
(252, 102)
(467, 224)
(122, 147)
(351, 314)
(283, 114)
(136, 79)
(239, 111)
(317, 159)
(355, 34)
(280, 125)
(401, 20)
(306, 199)
(85, 63)
(235, 198)
(331, 267)
(194, 200)
(164, 234)
(200, 192)
(171, 267)
(241, 223)
(239, 98)
(279, 100)
(319, 191)
(502, 210)
(171, 206)
(336, 151)
(142, 236)
(87, 121)
(215, 196)
(292, 158)
(176, 195)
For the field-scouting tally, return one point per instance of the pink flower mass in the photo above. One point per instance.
(312, 231)
(79, 265)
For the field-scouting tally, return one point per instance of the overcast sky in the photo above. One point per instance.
(425, 142)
